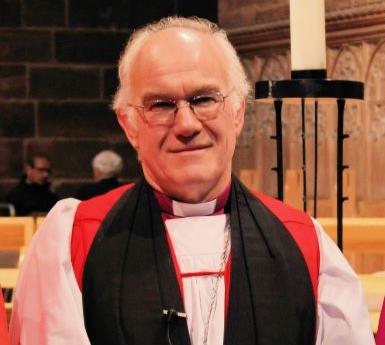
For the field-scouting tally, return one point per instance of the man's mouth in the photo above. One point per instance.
(189, 148)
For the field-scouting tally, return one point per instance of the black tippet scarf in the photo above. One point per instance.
(129, 278)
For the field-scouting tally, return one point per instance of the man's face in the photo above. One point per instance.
(190, 160)
(39, 172)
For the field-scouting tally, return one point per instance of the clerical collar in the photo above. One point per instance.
(182, 209)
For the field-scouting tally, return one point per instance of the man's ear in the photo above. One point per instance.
(129, 126)
(239, 116)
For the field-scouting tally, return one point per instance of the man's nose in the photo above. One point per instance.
(185, 122)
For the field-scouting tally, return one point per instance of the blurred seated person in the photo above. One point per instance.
(106, 166)
(33, 196)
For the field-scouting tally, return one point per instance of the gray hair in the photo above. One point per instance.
(108, 163)
(237, 75)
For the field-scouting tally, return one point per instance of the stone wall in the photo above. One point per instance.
(57, 75)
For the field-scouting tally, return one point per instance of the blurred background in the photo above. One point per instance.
(57, 75)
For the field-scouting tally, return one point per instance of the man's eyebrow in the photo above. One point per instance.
(204, 89)
(151, 95)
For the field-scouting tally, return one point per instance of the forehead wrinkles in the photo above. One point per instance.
(175, 50)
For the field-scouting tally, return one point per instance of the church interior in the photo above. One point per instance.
(58, 75)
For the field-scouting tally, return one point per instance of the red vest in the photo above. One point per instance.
(90, 214)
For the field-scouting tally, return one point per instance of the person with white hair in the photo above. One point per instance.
(106, 167)
(186, 255)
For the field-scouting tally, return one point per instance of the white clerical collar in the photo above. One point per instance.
(182, 209)
(173, 208)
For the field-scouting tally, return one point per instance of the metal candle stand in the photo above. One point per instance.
(319, 90)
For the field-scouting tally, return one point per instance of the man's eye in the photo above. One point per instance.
(203, 101)
(161, 106)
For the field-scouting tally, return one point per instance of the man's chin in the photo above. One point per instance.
(191, 186)
(188, 182)
(189, 178)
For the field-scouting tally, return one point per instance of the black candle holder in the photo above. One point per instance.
(318, 90)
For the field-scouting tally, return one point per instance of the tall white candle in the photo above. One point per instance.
(307, 34)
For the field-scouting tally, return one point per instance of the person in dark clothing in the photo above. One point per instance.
(33, 195)
(106, 167)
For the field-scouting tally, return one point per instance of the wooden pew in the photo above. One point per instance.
(38, 222)
(250, 178)
(374, 289)
(325, 207)
(364, 248)
(293, 188)
(15, 235)
(372, 208)
(293, 195)
(16, 232)
(11, 258)
(349, 190)
(8, 279)
(363, 241)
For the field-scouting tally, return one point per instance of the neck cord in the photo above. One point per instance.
(213, 298)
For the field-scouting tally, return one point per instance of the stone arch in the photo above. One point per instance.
(273, 69)
(375, 122)
(346, 65)
(375, 75)
(375, 93)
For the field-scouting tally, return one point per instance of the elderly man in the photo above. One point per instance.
(187, 255)
(106, 167)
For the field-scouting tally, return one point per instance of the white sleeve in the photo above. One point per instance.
(47, 303)
(342, 314)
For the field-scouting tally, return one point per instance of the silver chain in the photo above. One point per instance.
(214, 291)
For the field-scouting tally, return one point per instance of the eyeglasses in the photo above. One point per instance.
(46, 170)
(163, 111)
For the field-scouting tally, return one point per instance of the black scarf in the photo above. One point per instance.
(129, 278)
